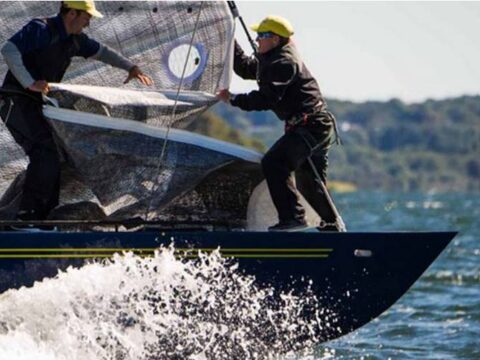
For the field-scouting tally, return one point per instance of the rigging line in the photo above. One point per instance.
(174, 110)
(236, 14)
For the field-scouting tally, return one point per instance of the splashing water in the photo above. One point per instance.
(156, 308)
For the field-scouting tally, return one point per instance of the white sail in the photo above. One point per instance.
(117, 163)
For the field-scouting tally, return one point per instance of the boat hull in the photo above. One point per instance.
(356, 276)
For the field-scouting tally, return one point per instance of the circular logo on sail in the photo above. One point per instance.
(185, 61)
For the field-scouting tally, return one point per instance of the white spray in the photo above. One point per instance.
(133, 308)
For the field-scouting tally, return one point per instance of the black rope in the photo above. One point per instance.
(174, 110)
(312, 144)
(236, 14)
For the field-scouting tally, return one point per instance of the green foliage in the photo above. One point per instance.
(432, 145)
(392, 145)
(210, 124)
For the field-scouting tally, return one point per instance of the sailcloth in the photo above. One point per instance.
(125, 152)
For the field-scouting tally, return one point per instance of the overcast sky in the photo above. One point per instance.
(379, 50)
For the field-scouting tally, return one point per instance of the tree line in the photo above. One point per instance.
(393, 146)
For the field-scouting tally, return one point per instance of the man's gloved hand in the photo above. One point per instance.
(224, 95)
(136, 73)
(40, 86)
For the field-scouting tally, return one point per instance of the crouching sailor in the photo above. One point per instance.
(40, 53)
(287, 87)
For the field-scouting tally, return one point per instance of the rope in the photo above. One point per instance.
(339, 223)
(9, 110)
(174, 110)
(236, 14)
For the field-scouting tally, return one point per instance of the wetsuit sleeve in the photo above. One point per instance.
(111, 57)
(13, 59)
(273, 83)
(244, 66)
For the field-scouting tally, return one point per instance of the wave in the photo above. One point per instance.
(156, 308)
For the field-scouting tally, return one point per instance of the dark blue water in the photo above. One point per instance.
(439, 318)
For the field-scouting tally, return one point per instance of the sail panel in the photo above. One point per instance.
(154, 34)
(121, 151)
(118, 165)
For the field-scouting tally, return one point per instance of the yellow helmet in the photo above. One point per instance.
(275, 24)
(88, 6)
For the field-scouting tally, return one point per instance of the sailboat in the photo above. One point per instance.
(135, 180)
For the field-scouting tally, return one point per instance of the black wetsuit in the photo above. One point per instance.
(47, 59)
(287, 88)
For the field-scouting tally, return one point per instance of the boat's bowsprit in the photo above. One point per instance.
(355, 276)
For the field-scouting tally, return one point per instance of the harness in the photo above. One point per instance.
(318, 114)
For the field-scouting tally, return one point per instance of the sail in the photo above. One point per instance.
(181, 45)
(124, 152)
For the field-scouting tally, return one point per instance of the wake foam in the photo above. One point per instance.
(134, 308)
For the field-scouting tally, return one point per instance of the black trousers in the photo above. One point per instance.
(289, 156)
(24, 119)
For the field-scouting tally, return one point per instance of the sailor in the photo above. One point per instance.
(40, 53)
(286, 87)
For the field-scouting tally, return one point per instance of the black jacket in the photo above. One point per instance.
(285, 84)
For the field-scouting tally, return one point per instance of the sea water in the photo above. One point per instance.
(165, 308)
(439, 317)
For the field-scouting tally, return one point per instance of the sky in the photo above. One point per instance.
(361, 51)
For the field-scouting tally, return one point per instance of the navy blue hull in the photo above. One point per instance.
(357, 276)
